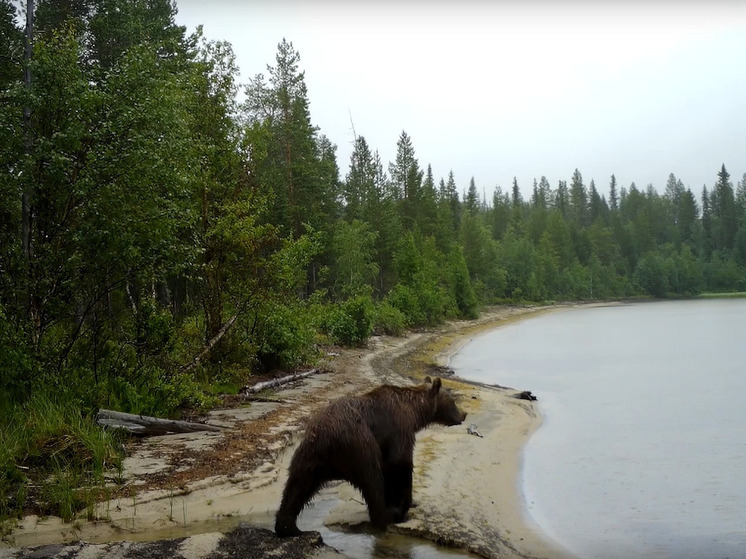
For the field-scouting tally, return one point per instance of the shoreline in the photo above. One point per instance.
(457, 507)
(471, 486)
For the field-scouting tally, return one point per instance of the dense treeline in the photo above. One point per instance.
(158, 237)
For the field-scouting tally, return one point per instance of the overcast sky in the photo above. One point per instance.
(495, 90)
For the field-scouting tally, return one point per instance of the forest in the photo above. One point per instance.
(166, 232)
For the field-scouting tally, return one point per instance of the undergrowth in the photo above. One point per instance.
(54, 460)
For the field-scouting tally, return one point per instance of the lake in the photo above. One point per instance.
(642, 452)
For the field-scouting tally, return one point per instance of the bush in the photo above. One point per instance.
(155, 392)
(351, 323)
(284, 336)
(387, 319)
(424, 304)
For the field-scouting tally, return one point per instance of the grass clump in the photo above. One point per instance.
(53, 459)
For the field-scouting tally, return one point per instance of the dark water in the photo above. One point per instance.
(643, 449)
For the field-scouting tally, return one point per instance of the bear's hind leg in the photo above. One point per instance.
(303, 482)
(297, 493)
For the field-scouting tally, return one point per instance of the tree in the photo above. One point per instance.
(11, 46)
(116, 26)
(292, 161)
(706, 222)
(687, 218)
(578, 200)
(471, 204)
(428, 205)
(516, 207)
(501, 212)
(359, 185)
(353, 246)
(448, 199)
(406, 179)
(597, 207)
(561, 199)
(613, 198)
(724, 212)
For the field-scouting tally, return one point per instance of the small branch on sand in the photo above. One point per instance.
(259, 386)
(146, 425)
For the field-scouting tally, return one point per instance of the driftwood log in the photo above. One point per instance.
(146, 425)
(274, 383)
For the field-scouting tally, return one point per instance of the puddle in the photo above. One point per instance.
(358, 542)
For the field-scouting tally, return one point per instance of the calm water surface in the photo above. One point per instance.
(643, 449)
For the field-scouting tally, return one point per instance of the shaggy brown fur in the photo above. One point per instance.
(368, 441)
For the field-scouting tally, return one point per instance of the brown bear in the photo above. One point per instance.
(367, 440)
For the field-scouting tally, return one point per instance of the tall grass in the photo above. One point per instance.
(53, 458)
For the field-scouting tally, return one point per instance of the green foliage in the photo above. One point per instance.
(421, 294)
(352, 249)
(652, 274)
(283, 336)
(351, 322)
(461, 286)
(50, 452)
(387, 319)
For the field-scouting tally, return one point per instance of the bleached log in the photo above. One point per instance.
(259, 386)
(147, 425)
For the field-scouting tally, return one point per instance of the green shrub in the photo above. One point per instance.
(283, 336)
(424, 304)
(387, 319)
(351, 323)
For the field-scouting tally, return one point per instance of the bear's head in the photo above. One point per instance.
(446, 410)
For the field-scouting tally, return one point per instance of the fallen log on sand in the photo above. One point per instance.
(146, 425)
(274, 383)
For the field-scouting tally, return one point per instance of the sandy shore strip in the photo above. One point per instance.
(466, 487)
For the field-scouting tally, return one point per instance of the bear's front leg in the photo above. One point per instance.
(398, 482)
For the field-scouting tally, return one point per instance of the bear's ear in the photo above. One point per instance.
(436, 385)
(428, 380)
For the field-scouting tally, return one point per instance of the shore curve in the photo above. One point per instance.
(466, 486)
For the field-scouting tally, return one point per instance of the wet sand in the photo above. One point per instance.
(466, 487)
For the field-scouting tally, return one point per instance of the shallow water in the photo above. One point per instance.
(643, 447)
(358, 542)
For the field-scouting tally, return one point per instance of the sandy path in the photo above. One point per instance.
(465, 486)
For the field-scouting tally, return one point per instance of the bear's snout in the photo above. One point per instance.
(456, 418)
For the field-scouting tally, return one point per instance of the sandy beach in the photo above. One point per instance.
(466, 487)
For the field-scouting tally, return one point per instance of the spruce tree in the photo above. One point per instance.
(724, 213)
(613, 199)
(406, 179)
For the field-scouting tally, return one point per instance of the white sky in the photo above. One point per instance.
(495, 90)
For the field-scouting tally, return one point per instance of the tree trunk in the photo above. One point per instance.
(26, 198)
(259, 386)
(146, 425)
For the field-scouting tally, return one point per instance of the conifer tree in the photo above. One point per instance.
(501, 213)
(406, 179)
(613, 198)
(471, 203)
(428, 205)
(578, 200)
(723, 208)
